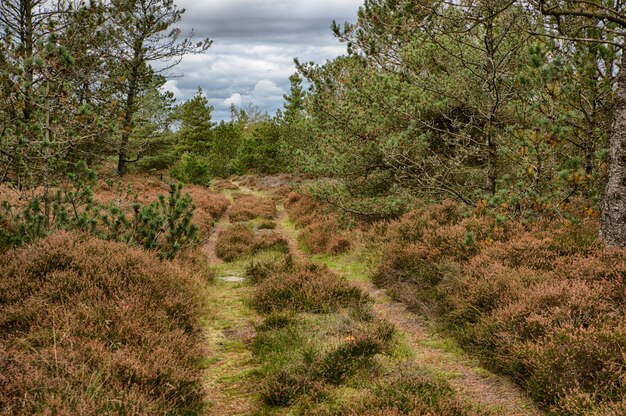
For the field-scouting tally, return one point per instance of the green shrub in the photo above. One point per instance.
(191, 168)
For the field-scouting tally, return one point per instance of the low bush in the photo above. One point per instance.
(96, 327)
(354, 352)
(410, 392)
(322, 237)
(316, 290)
(542, 302)
(285, 387)
(234, 242)
(267, 225)
(270, 241)
(249, 207)
(258, 271)
(240, 241)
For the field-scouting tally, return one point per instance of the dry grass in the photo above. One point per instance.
(543, 303)
(95, 327)
(248, 207)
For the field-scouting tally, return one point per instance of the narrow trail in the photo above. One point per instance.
(229, 381)
(229, 331)
(465, 375)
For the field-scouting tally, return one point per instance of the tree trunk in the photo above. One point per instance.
(613, 204)
(131, 95)
(493, 102)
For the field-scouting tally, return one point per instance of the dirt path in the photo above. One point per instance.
(465, 375)
(232, 329)
(229, 331)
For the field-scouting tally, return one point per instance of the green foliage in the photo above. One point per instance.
(164, 225)
(195, 134)
(259, 149)
(192, 168)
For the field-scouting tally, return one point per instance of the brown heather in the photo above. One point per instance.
(210, 206)
(92, 327)
(248, 207)
(544, 303)
(239, 241)
(312, 289)
(320, 233)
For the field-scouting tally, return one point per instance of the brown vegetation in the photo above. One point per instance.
(544, 303)
(311, 289)
(210, 206)
(321, 231)
(96, 327)
(239, 241)
(248, 207)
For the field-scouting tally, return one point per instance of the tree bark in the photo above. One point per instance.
(131, 96)
(613, 204)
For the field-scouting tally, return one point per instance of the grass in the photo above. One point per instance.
(330, 359)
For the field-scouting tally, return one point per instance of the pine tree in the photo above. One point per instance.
(195, 134)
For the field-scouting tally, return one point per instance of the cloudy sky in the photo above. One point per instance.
(254, 43)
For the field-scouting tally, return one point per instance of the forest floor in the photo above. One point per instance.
(230, 330)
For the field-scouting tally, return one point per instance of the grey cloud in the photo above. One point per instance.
(255, 42)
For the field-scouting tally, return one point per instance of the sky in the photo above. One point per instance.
(254, 44)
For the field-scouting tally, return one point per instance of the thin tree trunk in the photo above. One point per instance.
(492, 93)
(128, 116)
(613, 204)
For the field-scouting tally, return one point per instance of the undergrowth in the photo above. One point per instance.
(320, 340)
(96, 327)
(543, 302)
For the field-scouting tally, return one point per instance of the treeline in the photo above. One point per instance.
(516, 106)
(79, 81)
(501, 103)
(199, 149)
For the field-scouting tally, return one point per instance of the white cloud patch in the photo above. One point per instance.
(236, 99)
(266, 88)
(170, 86)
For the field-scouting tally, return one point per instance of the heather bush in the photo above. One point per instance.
(248, 207)
(322, 237)
(239, 241)
(410, 392)
(285, 387)
(270, 241)
(258, 271)
(234, 242)
(316, 290)
(96, 327)
(355, 352)
(541, 301)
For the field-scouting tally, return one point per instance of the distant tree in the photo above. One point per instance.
(294, 101)
(195, 133)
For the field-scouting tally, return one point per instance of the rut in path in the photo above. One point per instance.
(468, 378)
(228, 333)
